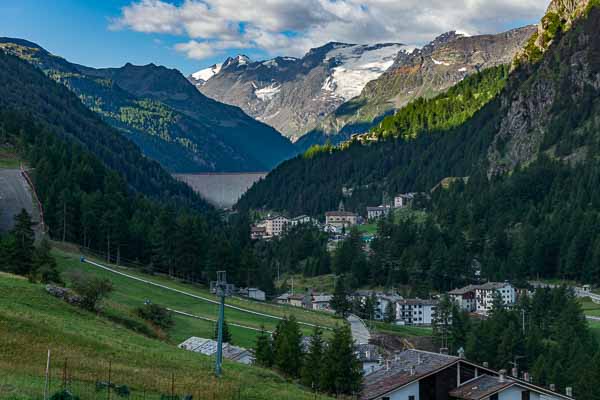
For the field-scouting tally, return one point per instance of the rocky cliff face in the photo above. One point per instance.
(425, 72)
(294, 94)
(554, 109)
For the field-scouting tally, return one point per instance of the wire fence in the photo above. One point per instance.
(60, 375)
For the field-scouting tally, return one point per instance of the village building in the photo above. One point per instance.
(321, 302)
(369, 357)
(485, 293)
(383, 302)
(253, 293)
(258, 232)
(275, 225)
(480, 298)
(403, 200)
(208, 347)
(422, 375)
(283, 299)
(415, 311)
(374, 213)
(341, 219)
(300, 220)
(464, 298)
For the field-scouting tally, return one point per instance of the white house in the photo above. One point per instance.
(369, 356)
(422, 375)
(253, 293)
(377, 212)
(464, 298)
(301, 219)
(321, 302)
(484, 295)
(480, 298)
(415, 311)
(383, 302)
(403, 200)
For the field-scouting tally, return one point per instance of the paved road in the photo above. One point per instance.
(360, 333)
(14, 196)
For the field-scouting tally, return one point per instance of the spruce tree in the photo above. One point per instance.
(264, 349)
(24, 239)
(44, 265)
(339, 302)
(313, 364)
(287, 346)
(390, 313)
(226, 333)
(342, 373)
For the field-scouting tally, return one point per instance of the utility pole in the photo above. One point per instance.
(523, 315)
(222, 290)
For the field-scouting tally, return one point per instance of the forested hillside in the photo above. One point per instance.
(98, 191)
(160, 111)
(413, 149)
(545, 107)
(36, 99)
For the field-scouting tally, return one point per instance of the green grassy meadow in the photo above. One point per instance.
(129, 294)
(84, 344)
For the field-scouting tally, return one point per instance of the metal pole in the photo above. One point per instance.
(219, 360)
(109, 378)
(172, 385)
(46, 384)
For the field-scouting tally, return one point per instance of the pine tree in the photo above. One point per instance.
(339, 302)
(44, 265)
(313, 364)
(287, 346)
(24, 239)
(390, 313)
(342, 373)
(263, 350)
(226, 333)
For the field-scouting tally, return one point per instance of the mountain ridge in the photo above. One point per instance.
(140, 103)
(293, 94)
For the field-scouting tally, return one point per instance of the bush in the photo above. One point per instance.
(92, 289)
(64, 395)
(156, 314)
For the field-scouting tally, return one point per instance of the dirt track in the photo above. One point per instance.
(14, 196)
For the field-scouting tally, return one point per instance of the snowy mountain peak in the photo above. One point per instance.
(237, 61)
(200, 77)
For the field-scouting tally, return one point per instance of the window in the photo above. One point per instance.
(525, 395)
(411, 397)
(385, 398)
(494, 397)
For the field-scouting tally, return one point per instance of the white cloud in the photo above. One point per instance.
(291, 27)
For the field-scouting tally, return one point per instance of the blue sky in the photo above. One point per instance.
(192, 34)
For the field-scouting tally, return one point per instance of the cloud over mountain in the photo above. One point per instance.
(211, 27)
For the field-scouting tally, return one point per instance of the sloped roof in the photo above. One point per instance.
(480, 388)
(399, 373)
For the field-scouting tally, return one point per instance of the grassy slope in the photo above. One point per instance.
(32, 321)
(129, 294)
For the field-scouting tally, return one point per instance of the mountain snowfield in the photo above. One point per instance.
(357, 65)
(294, 94)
